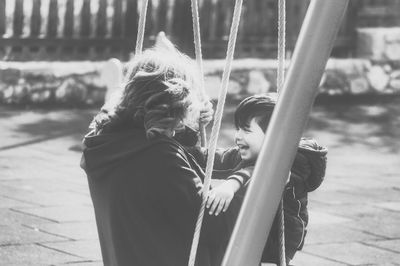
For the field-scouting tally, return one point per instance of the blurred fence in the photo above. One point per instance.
(100, 29)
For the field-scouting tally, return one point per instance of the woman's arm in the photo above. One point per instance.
(224, 159)
(178, 192)
(179, 198)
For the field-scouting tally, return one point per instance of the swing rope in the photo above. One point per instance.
(216, 126)
(279, 82)
(199, 60)
(139, 37)
(282, 253)
(141, 27)
(281, 44)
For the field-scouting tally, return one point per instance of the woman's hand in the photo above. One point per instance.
(206, 113)
(221, 196)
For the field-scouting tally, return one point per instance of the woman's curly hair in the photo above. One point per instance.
(159, 93)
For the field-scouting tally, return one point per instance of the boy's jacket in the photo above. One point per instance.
(307, 174)
(308, 168)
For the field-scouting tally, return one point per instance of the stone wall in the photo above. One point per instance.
(379, 44)
(341, 77)
(376, 71)
(80, 83)
(51, 82)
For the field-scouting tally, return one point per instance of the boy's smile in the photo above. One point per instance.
(249, 141)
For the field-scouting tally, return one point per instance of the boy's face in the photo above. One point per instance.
(249, 141)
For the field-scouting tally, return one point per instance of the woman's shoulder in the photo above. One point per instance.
(170, 155)
(164, 146)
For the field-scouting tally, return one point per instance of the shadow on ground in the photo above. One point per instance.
(373, 123)
(22, 127)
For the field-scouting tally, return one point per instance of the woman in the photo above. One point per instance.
(144, 185)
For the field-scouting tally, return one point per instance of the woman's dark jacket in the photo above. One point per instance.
(146, 199)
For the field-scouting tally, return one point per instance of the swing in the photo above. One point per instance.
(241, 250)
(113, 70)
(221, 102)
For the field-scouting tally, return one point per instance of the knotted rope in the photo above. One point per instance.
(279, 82)
(199, 60)
(216, 126)
(281, 44)
(282, 253)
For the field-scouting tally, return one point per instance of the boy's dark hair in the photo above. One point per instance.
(259, 107)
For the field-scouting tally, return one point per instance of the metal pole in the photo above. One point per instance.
(311, 53)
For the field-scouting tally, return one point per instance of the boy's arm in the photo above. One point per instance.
(221, 196)
(242, 175)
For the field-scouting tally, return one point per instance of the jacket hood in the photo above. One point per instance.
(311, 146)
(312, 156)
(103, 151)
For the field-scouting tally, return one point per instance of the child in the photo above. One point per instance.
(252, 117)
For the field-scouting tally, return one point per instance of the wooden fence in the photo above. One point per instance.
(100, 29)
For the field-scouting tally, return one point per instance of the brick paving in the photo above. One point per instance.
(47, 216)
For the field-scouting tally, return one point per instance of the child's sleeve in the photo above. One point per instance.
(242, 175)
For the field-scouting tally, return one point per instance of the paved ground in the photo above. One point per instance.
(46, 215)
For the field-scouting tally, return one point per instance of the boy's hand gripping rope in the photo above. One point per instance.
(216, 126)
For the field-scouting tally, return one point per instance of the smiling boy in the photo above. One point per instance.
(236, 165)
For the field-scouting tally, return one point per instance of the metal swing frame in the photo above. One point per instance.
(288, 121)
